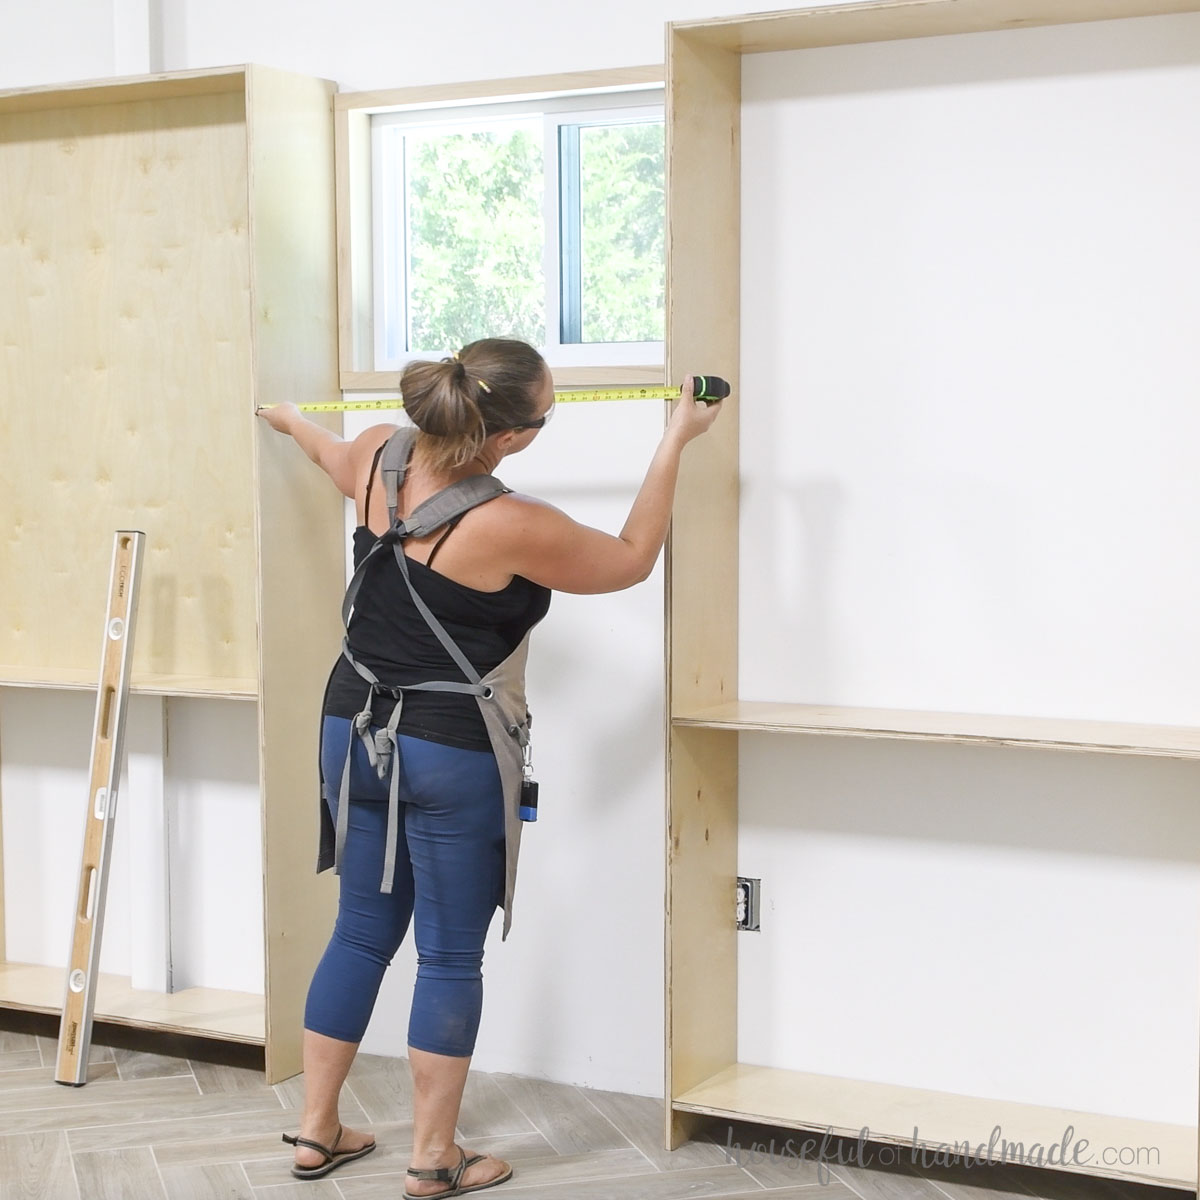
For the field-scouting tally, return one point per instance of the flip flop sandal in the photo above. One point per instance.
(333, 1156)
(452, 1176)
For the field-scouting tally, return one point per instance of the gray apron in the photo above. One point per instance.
(500, 694)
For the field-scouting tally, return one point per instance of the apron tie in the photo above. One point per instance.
(360, 727)
(389, 737)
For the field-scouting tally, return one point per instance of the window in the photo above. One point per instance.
(540, 218)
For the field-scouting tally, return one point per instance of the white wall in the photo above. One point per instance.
(576, 992)
(55, 43)
(206, 798)
(375, 43)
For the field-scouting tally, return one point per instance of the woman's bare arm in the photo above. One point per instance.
(548, 547)
(341, 460)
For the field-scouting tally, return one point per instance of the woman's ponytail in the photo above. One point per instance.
(490, 385)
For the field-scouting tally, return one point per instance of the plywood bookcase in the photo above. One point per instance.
(168, 250)
(704, 1077)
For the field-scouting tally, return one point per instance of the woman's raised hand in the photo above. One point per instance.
(690, 417)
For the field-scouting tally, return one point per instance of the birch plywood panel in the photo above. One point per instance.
(300, 522)
(125, 382)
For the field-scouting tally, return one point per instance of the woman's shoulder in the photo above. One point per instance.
(366, 443)
(511, 512)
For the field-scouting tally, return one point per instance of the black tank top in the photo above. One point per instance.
(388, 635)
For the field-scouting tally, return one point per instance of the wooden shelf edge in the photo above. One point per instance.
(773, 1096)
(177, 1027)
(890, 20)
(144, 685)
(212, 1013)
(124, 88)
(1049, 733)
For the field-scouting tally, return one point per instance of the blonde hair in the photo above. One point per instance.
(489, 385)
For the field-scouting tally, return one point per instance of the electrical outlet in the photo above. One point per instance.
(748, 891)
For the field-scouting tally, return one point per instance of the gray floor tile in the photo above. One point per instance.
(291, 1096)
(12, 1042)
(543, 1167)
(118, 1175)
(979, 1181)
(563, 1115)
(36, 1166)
(40, 1077)
(136, 1064)
(833, 1190)
(199, 1137)
(213, 1078)
(675, 1185)
(308, 1189)
(20, 1060)
(107, 1111)
(488, 1111)
(878, 1181)
(1067, 1185)
(222, 1182)
(382, 1086)
(45, 1093)
(49, 1050)
(641, 1120)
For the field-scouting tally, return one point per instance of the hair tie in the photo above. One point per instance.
(483, 384)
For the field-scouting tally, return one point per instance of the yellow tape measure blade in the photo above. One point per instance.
(569, 396)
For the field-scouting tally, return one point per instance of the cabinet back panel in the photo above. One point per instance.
(125, 382)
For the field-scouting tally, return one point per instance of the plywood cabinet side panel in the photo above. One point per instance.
(703, 225)
(701, 932)
(124, 251)
(299, 520)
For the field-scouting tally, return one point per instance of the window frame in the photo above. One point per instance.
(354, 204)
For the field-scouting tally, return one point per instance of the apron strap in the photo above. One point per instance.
(396, 452)
(359, 727)
(448, 643)
(388, 734)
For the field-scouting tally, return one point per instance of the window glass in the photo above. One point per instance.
(474, 235)
(540, 219)
(622, 228)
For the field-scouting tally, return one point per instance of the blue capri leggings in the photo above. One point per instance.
(449, 882)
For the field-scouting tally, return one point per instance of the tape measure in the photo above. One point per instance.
(709, 388)
(574, 396)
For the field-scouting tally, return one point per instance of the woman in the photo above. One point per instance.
(442, 736)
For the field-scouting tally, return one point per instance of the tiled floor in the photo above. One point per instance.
(149, 1127)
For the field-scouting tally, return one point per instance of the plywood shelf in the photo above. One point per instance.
(202, 1012)
(1048, 733)
(142, 685)
(798, 1100)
